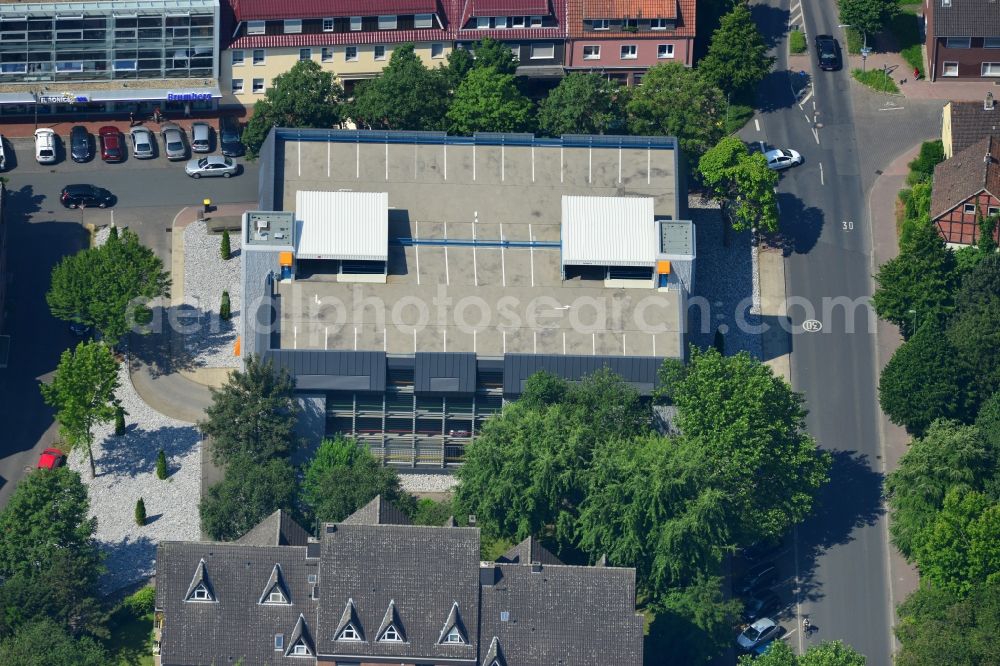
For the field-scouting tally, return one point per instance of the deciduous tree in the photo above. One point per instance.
(744, 183)
(868, 16)
(939, 625)
(827, 653)
(489, 101)
(974, 328)
(45, 643)
(495, 54)
(737, 58)
(405, 96)
(83, 394)
(250, 491)
(582, 104)
(304, 96)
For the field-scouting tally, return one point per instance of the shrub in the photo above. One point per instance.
(854, 41)
(225, 250)
(796, 41)
(119, 421)
(142, 602)
(140, 512)
(224, 308)
(922, 167)
(161, 465)
(876, 79)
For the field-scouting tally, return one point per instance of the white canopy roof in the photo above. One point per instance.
(608, 231)
(342, 225)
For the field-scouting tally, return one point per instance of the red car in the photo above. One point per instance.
(112, 146)
(51, 458)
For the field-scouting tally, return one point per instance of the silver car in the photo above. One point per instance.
(142, 143)
(173, 141)
(201, 138)
(211, 166)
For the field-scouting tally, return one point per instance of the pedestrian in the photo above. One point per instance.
(156, 115)
(806, 625)
(916, 73)
(131, 119)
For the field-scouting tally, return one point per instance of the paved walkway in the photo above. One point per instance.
(921, 88)
(62, 125)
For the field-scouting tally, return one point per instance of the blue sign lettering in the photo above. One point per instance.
(188, 97)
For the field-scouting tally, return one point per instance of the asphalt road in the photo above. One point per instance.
(841, 553)
(40, 232)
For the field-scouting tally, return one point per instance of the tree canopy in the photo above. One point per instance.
(744, 183)
(253, 414)
(737, 58)
(827, 653)
(344, 476)
(250, 491)
(304, 96)
(489, 101)
(83, 394)
(974, 328)
(868, 16)
(936, 624)
(582, 103)
(406, 95)
(108, 286)
(495, 54)
(45, 643)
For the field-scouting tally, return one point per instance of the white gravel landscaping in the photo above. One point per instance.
(126, 470)
(210, 340)
(427, 483)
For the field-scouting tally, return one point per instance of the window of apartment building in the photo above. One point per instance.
(958, 42)
(355, 23)
(629, 51)
(258, 86)
(437, 50)
(543, 51)
(326, 55)
(380, 52)
(949, 69)
(592, 52)
(482, 23)
(293, 26)
(305, 54)
(258, 56)
(423, 21)
(328, 25)
(279, 641)
(601, 24)
(991, 69)
(515, 50)
(125, 65)
(502, 22)
(991, 43)
(386, 22)
(970, 209)
(237, 58)
(300, 650)
(351, 53)
(255, 27)
(664, 50)
(237, 86)
(630, 24)
(536, 21)
(517, 21)
(658, 24)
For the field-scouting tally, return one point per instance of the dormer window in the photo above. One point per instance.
(658, 24)
(482, 23)
(517, 21)
(355, 23)
(349, 633)
(276, 597)
(386, 22)
(255, 27)
(630, 24)
(946, 3)
(300, 649)
(536, 21)
(390, 635)
(200, 593)
(423, 21)
(454, 636)
(601, 24)
(293, 26)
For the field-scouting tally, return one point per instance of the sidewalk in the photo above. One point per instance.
(920, 88)
(13, 129)
(775, 341)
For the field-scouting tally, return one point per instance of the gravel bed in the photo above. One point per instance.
(126, 470)
(210, 342)
(727, 279)
(427, 483)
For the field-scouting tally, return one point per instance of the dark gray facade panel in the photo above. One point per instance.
(638, 371)
(431, 369)
(333, 370)
(266, 198)
(333, 382)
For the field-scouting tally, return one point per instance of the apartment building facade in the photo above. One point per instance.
(534, 30)
(963, 40)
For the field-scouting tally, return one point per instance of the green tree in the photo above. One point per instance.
(460, 61)
(868, 16)
(737, 58)
(489, 101)
(344, 476)
(922, 166)
(430, 512)
(140, 513)
(988, 420)
(253, 414)
(224, 249)
(119, 420)
(696, 621)
(406, 95)
(925, 381)
(674, 100)
(744, 183)
(225, 308)
(44, 643)
(987, 235)
(950, 456)
(304, 96)
(751, 423)
(108, 286)
(161, 465)
(582, 103)
(918, 285)
(83, 394)
(938, 626)
(250, 491)
(668, 378)
(974, 328)
(827, 653)
(495, 54)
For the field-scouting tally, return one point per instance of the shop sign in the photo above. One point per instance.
(188, 97)
(63, 98)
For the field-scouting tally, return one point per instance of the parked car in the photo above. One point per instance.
(173, 141)
(764, 603)
(45, 146)
(779, 159)
(757, 578)
(201, 138)
(3, 155)
(51, 458)
(211, 166)
(828, 53)
(80, 147)
(759, 633)
(84, 196)
(764, 549)
(143, 143)
(229, 137)
(112, 147)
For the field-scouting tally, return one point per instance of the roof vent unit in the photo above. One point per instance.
(487, 574)
(504, 616)
(262, 224)
(330, 529)
(536, 567)
(472, 519)
(990, 103)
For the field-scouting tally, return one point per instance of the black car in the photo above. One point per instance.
(229, 137)
(828, 52)
(762, 604)
(758, 578)
(80, 146)
(82, 196)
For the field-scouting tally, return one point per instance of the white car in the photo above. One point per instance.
(45, 145)
(758, 634)
(213, 165)
(779, 159)
(3, 155)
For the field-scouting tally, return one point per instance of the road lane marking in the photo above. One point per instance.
(816, 135)
(821, 181)
(893, 108)
(756, 123)
(806, 99)
(416, 248)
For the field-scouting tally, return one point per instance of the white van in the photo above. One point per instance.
(45, 146)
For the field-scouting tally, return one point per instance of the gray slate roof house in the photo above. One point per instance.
(375, 589)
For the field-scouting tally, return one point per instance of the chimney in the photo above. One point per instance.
(989, 104)
(536, 567)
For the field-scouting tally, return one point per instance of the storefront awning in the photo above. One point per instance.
(152, 94)
(17, 98)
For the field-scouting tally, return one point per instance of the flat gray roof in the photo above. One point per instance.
(676, 237)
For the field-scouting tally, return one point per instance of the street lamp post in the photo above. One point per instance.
(35, 94)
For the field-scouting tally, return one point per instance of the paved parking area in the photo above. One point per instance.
(487, 300)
